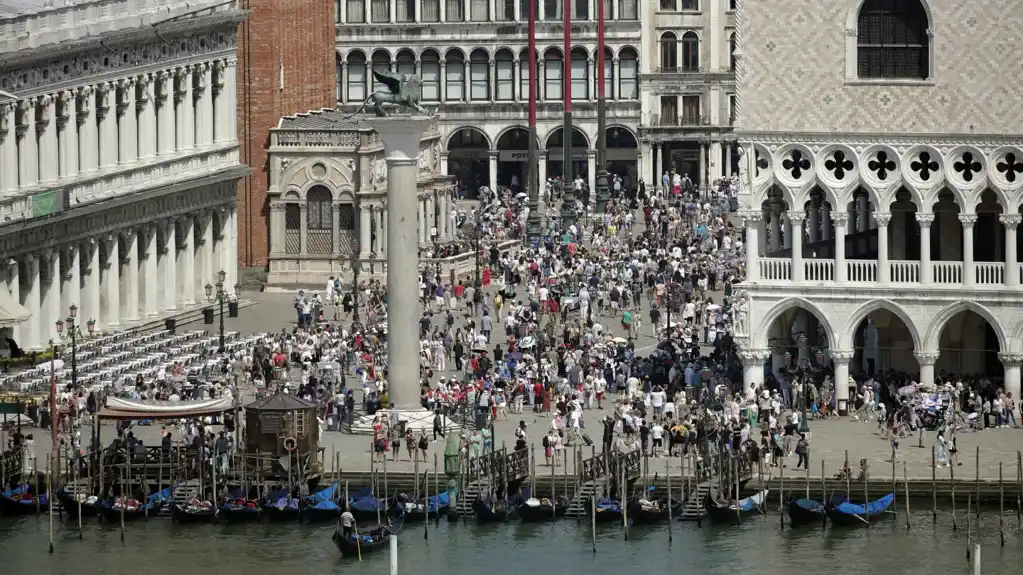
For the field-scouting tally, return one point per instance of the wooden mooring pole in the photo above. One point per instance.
(1001, 506)
(905, 486)
(934, 489)
(969, 525)
(952, 480)
(977, 484)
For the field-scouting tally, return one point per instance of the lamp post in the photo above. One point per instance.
(356, 265)
(67, 330)
(220, 296)
(477, 234)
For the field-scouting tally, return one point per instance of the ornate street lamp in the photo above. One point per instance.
(67, 330)
(220, 296)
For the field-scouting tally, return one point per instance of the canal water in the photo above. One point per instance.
(760, 546)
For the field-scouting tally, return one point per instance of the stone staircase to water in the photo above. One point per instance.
(694, 509)
(580, 504)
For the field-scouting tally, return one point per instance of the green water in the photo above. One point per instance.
(760, 546)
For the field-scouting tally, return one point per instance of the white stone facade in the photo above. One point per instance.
(473, 57)
(876, 144)
(687, 89)
(118, 160)
(329, 203)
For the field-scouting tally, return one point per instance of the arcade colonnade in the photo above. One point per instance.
(126, 277)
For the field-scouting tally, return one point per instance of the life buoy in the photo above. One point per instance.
(290, 444)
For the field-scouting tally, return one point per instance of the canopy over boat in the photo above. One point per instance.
(872, 508)
(119, 408)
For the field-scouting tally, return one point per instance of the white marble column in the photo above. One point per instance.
(67, 137)
(186, 260)
(715, 160)
(14, 288)
(841, 360)
(383, 219)
(401, 138)
(221, 114)
(51, 298)
(231, 104)
(146, 105)
(969, 272)
(277, 210)
(48, 150)
(209, 274)
(106, 114)
(28, 146)
(421, 221)
(184, 108)
(926, 361)
(364, 231)
(91, 297)
(752, 219)
(166, 125)
(71, 292)
(925, 221)
(591, 177)
(231, 245)
(88, 131)
(130, 279)
(841, 273)
(127, 123)
(151, 270)
(795, 236)
(493, 169)
(1012, 362)
(110, 279)
(884, 274)
(204, 105)
(1011, 223)
(8, 148)
(34, 303)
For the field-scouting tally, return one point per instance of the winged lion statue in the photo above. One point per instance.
(403, 91)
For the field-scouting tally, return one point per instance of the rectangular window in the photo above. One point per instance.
(580, 10)
(628, 9)
(691, 111)
(356, 11)
(406, 10)
(608, 10)
(479, 10)
(524, 10)
(669, 111)
(431, 11)
(406, 66)
(691, 4)
(668, 5)
(505, 11)
(381, 11)
(454, 82)
(554, 10)
(628, 86)
(524, 80)
(356, 81)
(455, 11)
(580, 79)
(506, 80)
(337, 82)
(479, 80)
(338, 6)
(609, 78)
(552, 80)
(731, 109)
(431, 80)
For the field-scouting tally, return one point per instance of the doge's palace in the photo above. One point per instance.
(882, 170)
(118, 160)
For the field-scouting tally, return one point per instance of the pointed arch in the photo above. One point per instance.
(938, 324)
(870, 307)
(761, 334)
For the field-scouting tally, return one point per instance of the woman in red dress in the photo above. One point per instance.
(486, 276)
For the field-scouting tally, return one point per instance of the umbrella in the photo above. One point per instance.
(528, 342)
(621, 340)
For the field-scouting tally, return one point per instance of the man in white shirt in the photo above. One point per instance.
(657, 399)
(657, 439)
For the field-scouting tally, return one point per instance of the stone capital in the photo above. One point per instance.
(882, 218)
(926, 357)
(796, 218)
(839, 218)
(1010, 221)
(924, 219)
(968, 220)
(842, 356)
(1011, 359)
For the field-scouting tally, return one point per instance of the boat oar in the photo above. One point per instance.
(358, 539)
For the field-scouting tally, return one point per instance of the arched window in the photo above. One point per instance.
(356, 77)
(690, 52)
(553, 74)
(628, 9)
(431, 76)
(454, 80)
(505, 73)
(731, 51)
(319, 221)
(479, 76)
(891, 40)
(580, 74)
(628, 74)
(669, 52)
(292, 226)
(381, 61)
(524, 76)
(609, 72)
(338, 77)
(406, 62)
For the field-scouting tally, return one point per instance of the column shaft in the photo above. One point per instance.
(883, 269)
(48, 149)
(28, 147)
(8, 148)
(112, 286)
(1011, 222)
(127, 123)
(34, 303)
(130, 281)
(91, 306)
(969, 271)
(151, 272)
(147, 117)
(841, 273)
(204, 109)
(106, 114)
(188, 283)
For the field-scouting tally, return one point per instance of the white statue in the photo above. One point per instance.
(380, 170)
(740, 310)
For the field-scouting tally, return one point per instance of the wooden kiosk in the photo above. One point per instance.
(282, 439)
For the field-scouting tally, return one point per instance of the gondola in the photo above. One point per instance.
(21, 501)
(368, 542)
(419, 509)
(646, 512)
(322, 506)
(731, 511)
(535, 510)
(848, 514)
(194, 511)
(806, 512)
(364, 507)
(493, 510)
(129, 509)
(606, 511)
(70, 503)
(280, 507)
(240, 511)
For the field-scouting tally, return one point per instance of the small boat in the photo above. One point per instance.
(21, 501)
(130, 509)
(240, 511)
(535, 510)
(282, 508)
(322, 506)
(646, 512)
(607, 511)
(361, 542)
(493, 510)
(195, 511)
(806, 512)
(854, 514)
(89, 504)
(418, 510)
(365, 507)
(733, 512)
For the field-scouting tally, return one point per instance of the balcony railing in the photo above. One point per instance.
(820, 270)
(683, 121)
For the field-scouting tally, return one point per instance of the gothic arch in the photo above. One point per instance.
(303, 174)
(938, 324)
(762, 332)
(871, 306)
